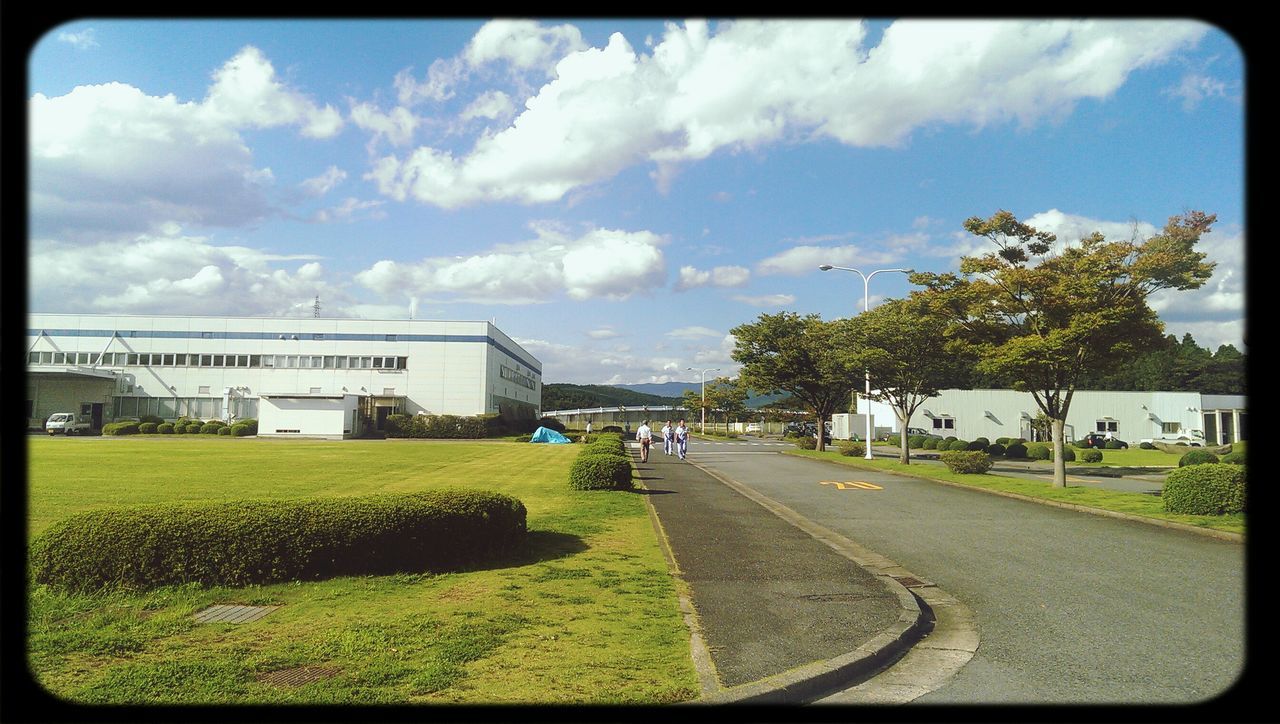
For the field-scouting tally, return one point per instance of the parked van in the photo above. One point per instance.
(68, 423)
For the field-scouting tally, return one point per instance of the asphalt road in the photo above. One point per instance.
(1072, 608)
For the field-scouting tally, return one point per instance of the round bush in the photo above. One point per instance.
(1233, 458)
(599, 471)
(985, 442)
(147, 428)
(1146, 446)
(807, 443)
(958, 445)
(165, 428)
(1039, 451)
(612, 428)
(852, 449)
(950, 438)
(1003, 441)
(1016, 450)
(224, 430)
(1197, 457)
(238, 430)
(930, 443)
(1206, 489)
(995, 449)
(979, 445)
(896, 440)
(210, 428)
(1082, 444)
(151, 418)
(972, 462)
(120, 428)
(1091, 456)
(915, 441)
(193, 428)
(1068, 454)
(267, 541)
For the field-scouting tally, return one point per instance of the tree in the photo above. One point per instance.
(786, 352)
(724, 397)
(1044, 325)
(897, 344)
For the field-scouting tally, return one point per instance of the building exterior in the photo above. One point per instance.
(1130, 416)
(115, 367)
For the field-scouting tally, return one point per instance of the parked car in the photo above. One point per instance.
(753, 427)
(68, 423)
(1100, 440)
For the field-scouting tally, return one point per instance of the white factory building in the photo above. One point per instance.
(1130, 416)
(297, 376)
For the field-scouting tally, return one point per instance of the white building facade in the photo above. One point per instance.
(1129, 416)
(116, 367)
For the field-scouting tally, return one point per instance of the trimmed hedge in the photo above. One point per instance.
(1146, 446)
(165, 428)
(148, 428)
(1068, 454)
(1197, 457)
(1114, 445)
(224, 430)
(1092, 455)
(930, 443)
(210, 428)
(267, 541)
(915, 441)
(995, 450)
(121, 428)
(193, 428)
(1206, 489)
(1233, 458)
(600, 471)
(966, 461)
(240, 430)
(1016, 450)
(1039, 451)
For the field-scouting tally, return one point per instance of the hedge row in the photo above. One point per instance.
(1207, 489)
(457, 427)
(603, 464)
(150, 426)
(268, 541)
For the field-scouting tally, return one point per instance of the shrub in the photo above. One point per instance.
(1197, 457)
(1233, 458)
(930, 443)
(807, 443)
(915, 441)
(951, 438)
(979, 445)
(251, 423)
(612, 428)
(210, 428)
(1016, 450)
(966, 461)
(985, 442)
(1068, 454)
(896, 440)
(225, 430)
(551, 423)
(600, 471)
(1082, 444)
(266, 541)
(193, 428)
(1146, 446)
(995, 449)
(164, 428)
(147, 428)
(852, 449)
(239, 430)
(1039, 451)
(151, 418)
(958, 445)
(1091, 455)
(1114, 445)
(128, 427)
(1205, 489)
(1002, 441)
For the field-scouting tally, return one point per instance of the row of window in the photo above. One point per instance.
(171, 408)
(523, 380)
(949, 423)
(160, 359)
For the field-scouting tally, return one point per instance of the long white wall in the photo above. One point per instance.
(453, 367)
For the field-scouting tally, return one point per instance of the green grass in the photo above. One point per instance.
(1139, 504)
(588, 615)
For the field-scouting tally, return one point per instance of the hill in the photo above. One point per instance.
(564, 396)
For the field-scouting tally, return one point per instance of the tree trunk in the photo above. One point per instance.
(904, 455)
(1059, 464)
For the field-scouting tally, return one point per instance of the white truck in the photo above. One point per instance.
(1193, 438)
(68, 423)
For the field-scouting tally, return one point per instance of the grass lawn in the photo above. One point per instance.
(588, 615)
(1149, 506)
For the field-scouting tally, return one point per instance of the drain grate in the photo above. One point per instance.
(231, 613)
(298, 676)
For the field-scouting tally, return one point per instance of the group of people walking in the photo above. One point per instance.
(675, 440)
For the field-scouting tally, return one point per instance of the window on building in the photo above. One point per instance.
(317, 336)
(1108, 426)
(219, 360)
(290, 360)
(206, 360)
(340, 363)
(206, 335)
(391, 338)
(388, 392)
(1170, 428)
(402, 363)
(377, 363)
(944, 423)
(203, 390)
(268, 360)
(171, 360)
(255, 360)
(314, 390)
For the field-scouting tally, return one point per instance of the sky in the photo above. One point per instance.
(616, 195)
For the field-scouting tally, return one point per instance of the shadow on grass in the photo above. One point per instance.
(543, 545)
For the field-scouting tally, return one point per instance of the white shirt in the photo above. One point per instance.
(681, 432)
(643, 432)
(666, 431)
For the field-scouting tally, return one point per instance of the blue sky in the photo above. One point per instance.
(615, 194)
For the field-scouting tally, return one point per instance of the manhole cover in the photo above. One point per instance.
(297, 676)
(910, 582)
(231, 613)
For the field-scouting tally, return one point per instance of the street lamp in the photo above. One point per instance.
(866, 305)
(704, 394)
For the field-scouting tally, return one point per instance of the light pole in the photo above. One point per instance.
(704, 394)
(866, 305)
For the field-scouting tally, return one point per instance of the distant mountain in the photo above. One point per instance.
(663, 389)
(564, 396)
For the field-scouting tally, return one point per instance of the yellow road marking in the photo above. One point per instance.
(845, 485)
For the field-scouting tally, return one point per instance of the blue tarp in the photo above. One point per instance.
(544, 434)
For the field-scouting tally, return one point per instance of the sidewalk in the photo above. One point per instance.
(780, 615)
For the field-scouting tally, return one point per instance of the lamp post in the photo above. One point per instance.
(704, 394)
(866, 305)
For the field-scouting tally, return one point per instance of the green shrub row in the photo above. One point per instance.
(182, 426)
(265, 541)
(457, 427)
(594, 470)
(1205, 489)
(966, 461)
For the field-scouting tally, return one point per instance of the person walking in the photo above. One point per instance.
(645, 435)
(588, 435)
(682, 439)
(668, 437)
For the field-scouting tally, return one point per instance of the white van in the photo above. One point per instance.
(67, 423)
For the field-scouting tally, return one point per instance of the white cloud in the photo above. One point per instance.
(721, 276)
(805, 259)
(396, 126)
(82, 40)
(767, 300)
(600, 264)
(1196, 87)
(492, 105)
(442, 76)
(109, 158)
(693, 333)
(754, 83)
(351, 209)
(324, 183)
(602, 333)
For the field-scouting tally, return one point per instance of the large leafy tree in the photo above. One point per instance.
(799, 355)
(1042, 319)
(897, 344)
(725, 398)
